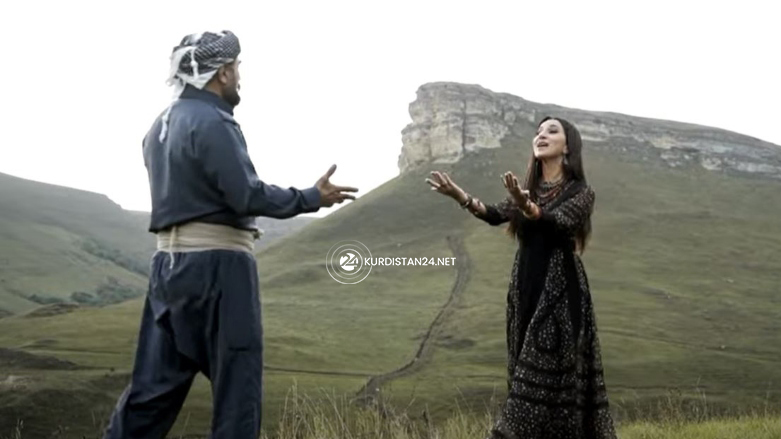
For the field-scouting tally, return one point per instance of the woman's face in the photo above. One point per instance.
(550, 141)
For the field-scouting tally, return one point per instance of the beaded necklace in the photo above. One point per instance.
(549, 190)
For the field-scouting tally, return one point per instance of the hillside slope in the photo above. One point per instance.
(59, 244)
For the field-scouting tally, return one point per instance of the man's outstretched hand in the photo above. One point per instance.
(330, 193)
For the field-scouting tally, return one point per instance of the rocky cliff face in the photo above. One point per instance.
(450, 120)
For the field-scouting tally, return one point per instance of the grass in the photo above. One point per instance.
(325, 415)
(748, 427)
(329, 416)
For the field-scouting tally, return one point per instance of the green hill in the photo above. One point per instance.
(682, 264)
(62, 245)
(59, 244)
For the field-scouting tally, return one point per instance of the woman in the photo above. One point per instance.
(556, 384)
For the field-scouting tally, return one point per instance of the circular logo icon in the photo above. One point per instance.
(345, 262)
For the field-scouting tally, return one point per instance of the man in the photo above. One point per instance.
(202, 312)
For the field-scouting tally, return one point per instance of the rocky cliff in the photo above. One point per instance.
(451, 120)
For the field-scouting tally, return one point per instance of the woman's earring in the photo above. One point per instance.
(566, 161)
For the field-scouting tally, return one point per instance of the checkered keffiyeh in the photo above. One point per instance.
(195, 61)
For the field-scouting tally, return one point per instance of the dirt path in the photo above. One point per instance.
(315, 372)
(371, 389)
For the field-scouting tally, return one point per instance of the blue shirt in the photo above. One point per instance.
(202, 171)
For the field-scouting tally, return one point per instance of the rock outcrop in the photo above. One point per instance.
(450, 120)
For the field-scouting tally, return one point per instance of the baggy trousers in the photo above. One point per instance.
(201, 315)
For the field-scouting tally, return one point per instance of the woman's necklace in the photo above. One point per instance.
(552, 184)
(548, 190)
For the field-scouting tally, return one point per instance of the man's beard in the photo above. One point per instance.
(231, 95)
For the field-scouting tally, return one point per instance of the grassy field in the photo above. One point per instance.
(682, 265)
(325, 415)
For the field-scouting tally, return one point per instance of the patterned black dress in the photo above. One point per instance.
(555, 378)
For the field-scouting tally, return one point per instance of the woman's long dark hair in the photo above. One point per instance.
(573, 170)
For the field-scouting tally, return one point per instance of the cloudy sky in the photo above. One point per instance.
(330, 82)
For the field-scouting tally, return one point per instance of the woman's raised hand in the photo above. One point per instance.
(442, 183)
(512, 185)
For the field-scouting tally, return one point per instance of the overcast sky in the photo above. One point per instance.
(330, 82)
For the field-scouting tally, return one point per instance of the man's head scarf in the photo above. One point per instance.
(195, 61)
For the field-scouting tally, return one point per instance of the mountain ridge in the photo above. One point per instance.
(452, 119)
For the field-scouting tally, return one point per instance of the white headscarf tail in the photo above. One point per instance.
(217, 49)
(179, 80)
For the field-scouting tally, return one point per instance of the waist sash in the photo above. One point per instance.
(198, 236)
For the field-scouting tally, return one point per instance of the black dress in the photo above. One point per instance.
(555, 378)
